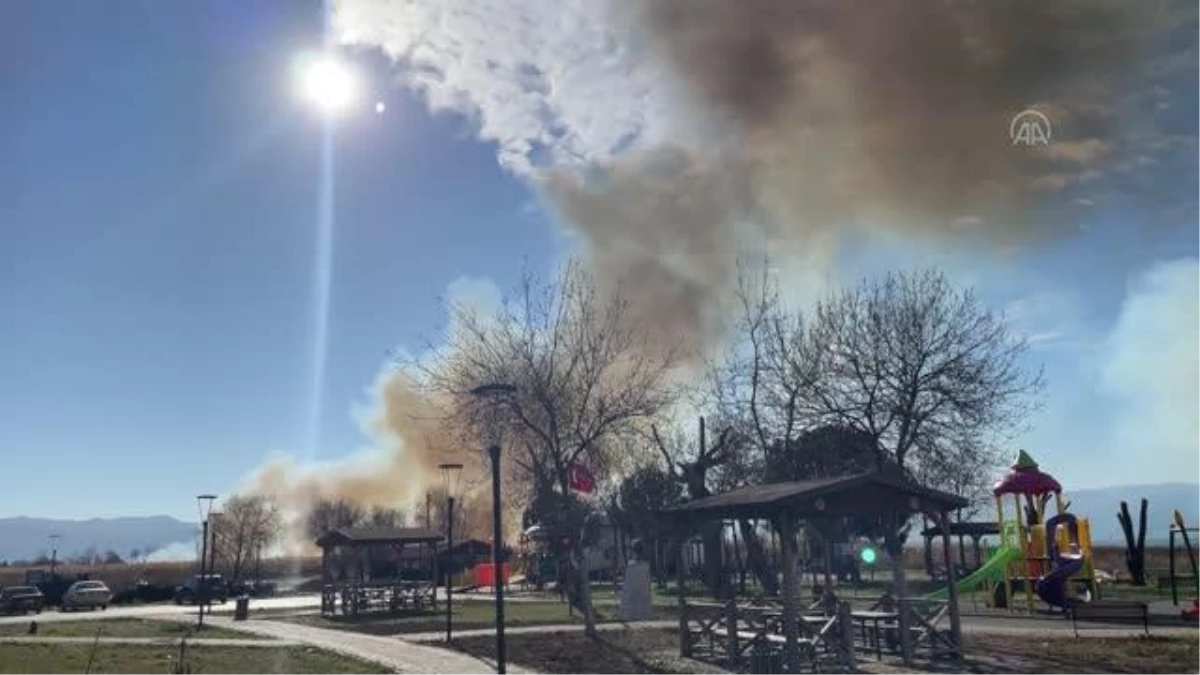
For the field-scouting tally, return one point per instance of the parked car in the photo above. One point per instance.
(21, 599)
(89, 594)
(254, 589)
(211, 588)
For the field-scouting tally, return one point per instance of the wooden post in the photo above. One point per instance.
(952, 587)
(731, 632)
(846, 632)
(900, 583)
(685, 641)
(791, 604)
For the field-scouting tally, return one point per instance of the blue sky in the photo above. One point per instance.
(160, 186)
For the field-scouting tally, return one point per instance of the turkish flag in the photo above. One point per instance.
(581, 479)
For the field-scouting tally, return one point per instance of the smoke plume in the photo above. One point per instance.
(828, 116)
(673, 137)
(1152, 370)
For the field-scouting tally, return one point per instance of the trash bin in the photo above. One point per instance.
(241, 610)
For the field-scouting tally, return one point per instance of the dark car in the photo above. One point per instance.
(254, 589)
(211, 588)
(21, 599)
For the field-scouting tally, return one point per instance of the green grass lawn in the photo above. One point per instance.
(59, 658)
(133, 628)
(468, 614)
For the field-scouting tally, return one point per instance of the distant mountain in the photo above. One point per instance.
(25, 538)
(1100, 506)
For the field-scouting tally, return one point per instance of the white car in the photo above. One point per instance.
(90, 594)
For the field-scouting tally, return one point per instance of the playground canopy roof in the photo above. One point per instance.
(378, 536)
(860, 494)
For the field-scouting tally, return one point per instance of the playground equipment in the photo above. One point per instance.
(994, 571)
(1047, 557)
(1179, 529)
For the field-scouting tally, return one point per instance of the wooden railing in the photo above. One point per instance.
(354, 599)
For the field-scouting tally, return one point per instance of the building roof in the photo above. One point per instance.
(966, 529)
(860, 494)
(367, 536)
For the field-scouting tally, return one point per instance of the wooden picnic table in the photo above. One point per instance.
(874, 618)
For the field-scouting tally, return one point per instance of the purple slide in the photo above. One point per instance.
(1052, 588)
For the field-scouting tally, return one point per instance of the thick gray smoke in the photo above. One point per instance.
(829, 115)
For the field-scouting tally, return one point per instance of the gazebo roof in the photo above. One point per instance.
(371, 536)
(861, 494)
(967, 529)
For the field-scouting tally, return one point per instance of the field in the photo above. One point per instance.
(78, 658)
(120, 576)
(123, 628)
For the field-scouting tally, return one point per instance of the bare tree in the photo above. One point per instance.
(332, 514)
(248, 525)
(585, 378)
(691, 469)
(934, 376)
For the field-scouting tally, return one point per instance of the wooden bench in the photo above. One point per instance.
(1110, 611)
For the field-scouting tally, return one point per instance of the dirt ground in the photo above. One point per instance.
(628, 651)
(656, 651)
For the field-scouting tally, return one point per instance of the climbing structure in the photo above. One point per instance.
(1055, 554)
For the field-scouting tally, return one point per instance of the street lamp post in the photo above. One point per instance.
(213, 519)
(53, 553)
(450, 474)
(204, 503)
(494, 395)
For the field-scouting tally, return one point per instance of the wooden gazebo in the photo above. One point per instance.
(736, 632)
(410, 581)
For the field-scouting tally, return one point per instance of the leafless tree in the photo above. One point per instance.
(586, 377)
(929, 372)
(332, 514)
(917, 368)
(247, 526)
(689, 462)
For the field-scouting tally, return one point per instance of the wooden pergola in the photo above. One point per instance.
(412, 585)
(974, 530)
(823, 505)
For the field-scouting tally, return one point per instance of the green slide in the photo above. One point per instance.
(992, 570)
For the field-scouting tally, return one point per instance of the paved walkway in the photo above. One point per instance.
(400, 655)
(546, 628)
(192, 642)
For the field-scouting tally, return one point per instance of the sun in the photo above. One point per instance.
(329, 85)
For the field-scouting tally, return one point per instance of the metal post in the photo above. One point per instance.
(200, 585)
(497, 558)
(54, 554)
(449, 566)
(1171, 567)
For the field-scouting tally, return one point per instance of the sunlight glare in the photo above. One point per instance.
(330, 85)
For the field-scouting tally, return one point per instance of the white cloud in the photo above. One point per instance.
(1049, 319)
(549, 82)
(1152, 368)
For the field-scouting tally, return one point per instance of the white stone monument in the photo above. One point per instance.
(635, 593)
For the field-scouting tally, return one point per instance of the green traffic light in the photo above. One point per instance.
(868, 555)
